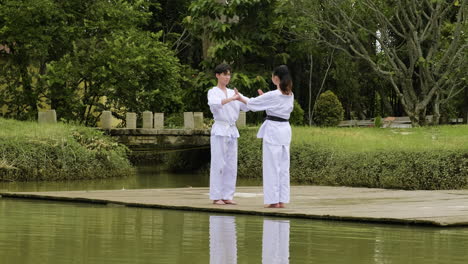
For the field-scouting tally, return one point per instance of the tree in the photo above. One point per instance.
(226, 34)
(420, 47)
(132, 70)
(167, 18)
(84, 56)
(30, 30)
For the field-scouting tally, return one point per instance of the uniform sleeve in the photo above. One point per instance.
(260, 103)
(215, 102)
(243, 106)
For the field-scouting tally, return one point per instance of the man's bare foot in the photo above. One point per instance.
(272, 205)
(281, 205)
(218, 202)
(229, 202)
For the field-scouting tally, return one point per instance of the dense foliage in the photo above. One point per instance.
(82, 57)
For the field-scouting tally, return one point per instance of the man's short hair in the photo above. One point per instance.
(222, 68)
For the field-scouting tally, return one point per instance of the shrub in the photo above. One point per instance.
(328, 110)
(297, 115)
(29, 151)
(249, 154)
(378, 121)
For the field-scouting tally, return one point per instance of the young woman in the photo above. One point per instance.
(276, 135)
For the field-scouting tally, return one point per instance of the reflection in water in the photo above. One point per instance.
(34, 232)
(275, 241)
(223, 240)
(150, 176)
(147, 177)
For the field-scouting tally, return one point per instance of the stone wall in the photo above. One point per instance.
(159, 139)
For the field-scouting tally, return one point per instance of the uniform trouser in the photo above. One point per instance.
(275, 173)
(223, 168)
(223, 239)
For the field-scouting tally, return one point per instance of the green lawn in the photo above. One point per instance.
(376, 139)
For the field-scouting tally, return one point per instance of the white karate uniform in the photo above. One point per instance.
(223, 142)
(276, 140)
(275, 244)
(223, 239)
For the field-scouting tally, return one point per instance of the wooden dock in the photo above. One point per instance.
(436, 208)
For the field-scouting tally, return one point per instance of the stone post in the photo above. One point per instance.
(241, 121)
(41, 117)
(159, 120)
(52, 116)
(188, 120)
(47, 117)
(147, 119)
(131, 119)
(106, 120)
(198, 120)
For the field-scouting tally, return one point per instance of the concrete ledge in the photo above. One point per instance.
(435, 208)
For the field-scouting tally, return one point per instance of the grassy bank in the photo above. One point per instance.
(30, 152)
(420, 158)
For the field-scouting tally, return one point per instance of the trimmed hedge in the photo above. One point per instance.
(321, 164)
(32, 152)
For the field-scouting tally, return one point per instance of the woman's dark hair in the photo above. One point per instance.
(285, 78)
(222, 68)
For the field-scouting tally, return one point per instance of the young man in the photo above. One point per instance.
(225, 105)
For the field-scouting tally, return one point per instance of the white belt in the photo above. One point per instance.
(225, 123)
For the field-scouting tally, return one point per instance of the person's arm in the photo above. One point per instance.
(230, 99)
(242, 101)
(260, 103)
(215, 102)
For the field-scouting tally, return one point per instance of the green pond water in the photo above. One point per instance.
(59, 232)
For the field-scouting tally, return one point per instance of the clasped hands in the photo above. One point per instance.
(237, 96)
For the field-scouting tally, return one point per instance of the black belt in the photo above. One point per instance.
(275, 118)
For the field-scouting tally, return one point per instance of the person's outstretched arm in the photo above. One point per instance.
(261, 102)
(242, 101)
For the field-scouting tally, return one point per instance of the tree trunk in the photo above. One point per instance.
(310, 89)
(465, 107)
(329, 62)
(436, 111)
(386, 105)
(206, 44)
(29, 95)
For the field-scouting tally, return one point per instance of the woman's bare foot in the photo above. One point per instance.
(218, 202)
(229, 202)
(281, 205)
(276, 205)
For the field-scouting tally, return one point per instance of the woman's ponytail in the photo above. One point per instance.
(285, 78)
